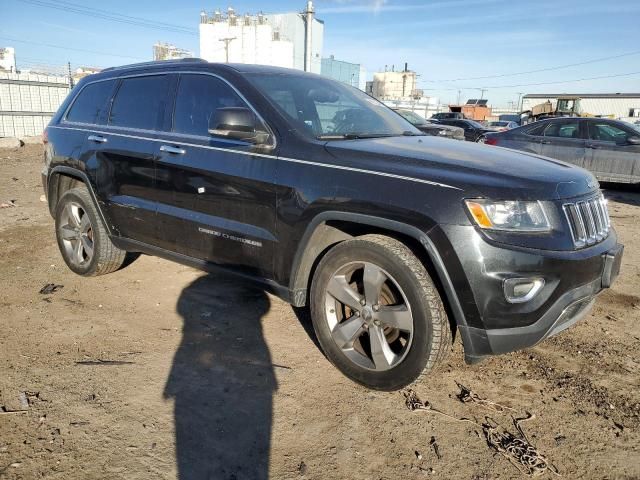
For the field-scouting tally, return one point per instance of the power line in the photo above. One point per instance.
(110, 16)
(548, 69)
(565, 81)
(70, 48)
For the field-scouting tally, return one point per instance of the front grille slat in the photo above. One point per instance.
(588, 221)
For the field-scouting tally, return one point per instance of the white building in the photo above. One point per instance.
(8, 59)
(622, 106)
(392, 85)
(265, 39)
(166, 51)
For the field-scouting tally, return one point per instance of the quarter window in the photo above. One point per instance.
(563, 130)
(199, 96)
(92, 103)
(140, 102)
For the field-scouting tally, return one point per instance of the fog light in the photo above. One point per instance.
(520, 290)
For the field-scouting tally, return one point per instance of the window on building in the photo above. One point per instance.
(92, 103)
(140, 102)
(199, 96)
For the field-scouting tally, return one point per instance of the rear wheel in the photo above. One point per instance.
(377, 314)
(82, 238)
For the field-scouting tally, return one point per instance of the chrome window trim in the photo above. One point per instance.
(172, 72)
(256, 154)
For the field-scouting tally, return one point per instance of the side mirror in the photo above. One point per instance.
(236, 123)
(635, 140)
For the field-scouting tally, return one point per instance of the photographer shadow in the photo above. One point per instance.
(222, 381)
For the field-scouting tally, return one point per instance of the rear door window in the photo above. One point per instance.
(199, 96)
(92, 105)
(140, 102)
(563, 130)
(536, 130)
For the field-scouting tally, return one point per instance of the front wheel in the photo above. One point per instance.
(481, 139)
(377, 313)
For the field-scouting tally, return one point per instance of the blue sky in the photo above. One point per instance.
(440, 39)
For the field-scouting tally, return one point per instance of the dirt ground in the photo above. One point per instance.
(160, 371)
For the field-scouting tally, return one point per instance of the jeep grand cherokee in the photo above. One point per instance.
(331, 200)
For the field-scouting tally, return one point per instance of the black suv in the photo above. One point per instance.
(329, 199)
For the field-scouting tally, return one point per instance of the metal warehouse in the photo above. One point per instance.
(622, 106)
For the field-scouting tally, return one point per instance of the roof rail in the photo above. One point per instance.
(156, 62)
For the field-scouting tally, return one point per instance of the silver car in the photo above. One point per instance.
(610, 149)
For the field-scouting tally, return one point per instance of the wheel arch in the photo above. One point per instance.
(62, 179)
(329, 228)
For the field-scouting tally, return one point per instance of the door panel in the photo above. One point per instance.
(216, 200)
(125, 178)
(217, 205)
(607, 159)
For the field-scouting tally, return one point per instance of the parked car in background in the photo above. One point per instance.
(431, 128)
(501, 126)
(473, 131)
(610, 149)
(448, 116)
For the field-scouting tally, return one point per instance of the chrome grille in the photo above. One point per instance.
(588, 220)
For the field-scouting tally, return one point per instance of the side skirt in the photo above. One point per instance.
(266, 284)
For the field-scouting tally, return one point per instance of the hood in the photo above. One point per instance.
(476, 169)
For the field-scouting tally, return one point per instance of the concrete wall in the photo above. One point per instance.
(28, 101)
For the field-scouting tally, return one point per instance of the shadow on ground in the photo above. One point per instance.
(622, 192)
(222, 381)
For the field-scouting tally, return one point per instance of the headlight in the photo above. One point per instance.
(510, 215)
(442, 132)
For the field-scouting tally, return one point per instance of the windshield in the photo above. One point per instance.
(330, 110)
(498, 124)
(412, 117)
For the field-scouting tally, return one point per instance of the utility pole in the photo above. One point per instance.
(308, 15)
(519, 104)
(482, 90)
(70, 77)
(227, 41)
(459, 94)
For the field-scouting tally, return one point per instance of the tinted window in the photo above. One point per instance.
(563, 130)
(199, 96)
(140, 102)
(91, 103)
(537, 129)
(606, 132)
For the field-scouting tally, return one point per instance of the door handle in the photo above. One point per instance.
(97, 139)
(173, 150)
(591, 145)
(545, 142)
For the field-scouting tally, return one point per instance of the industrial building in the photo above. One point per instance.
(392, 85)
(266, 39)
(622, 106)
(7, 59)
(166, 51)
(346, 72)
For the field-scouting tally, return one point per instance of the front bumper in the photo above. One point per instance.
(492, 325)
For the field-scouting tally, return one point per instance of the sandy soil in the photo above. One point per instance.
(159, 370)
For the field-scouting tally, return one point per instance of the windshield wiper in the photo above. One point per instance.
(353, 136)
(408, 133)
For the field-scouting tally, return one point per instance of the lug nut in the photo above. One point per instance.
(363, 302)
(376, 307)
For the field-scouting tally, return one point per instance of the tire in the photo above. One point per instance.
(407, 313)
(82, 237)
(481, 139)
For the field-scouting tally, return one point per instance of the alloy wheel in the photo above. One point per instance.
(368, 316)
(76, 233)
